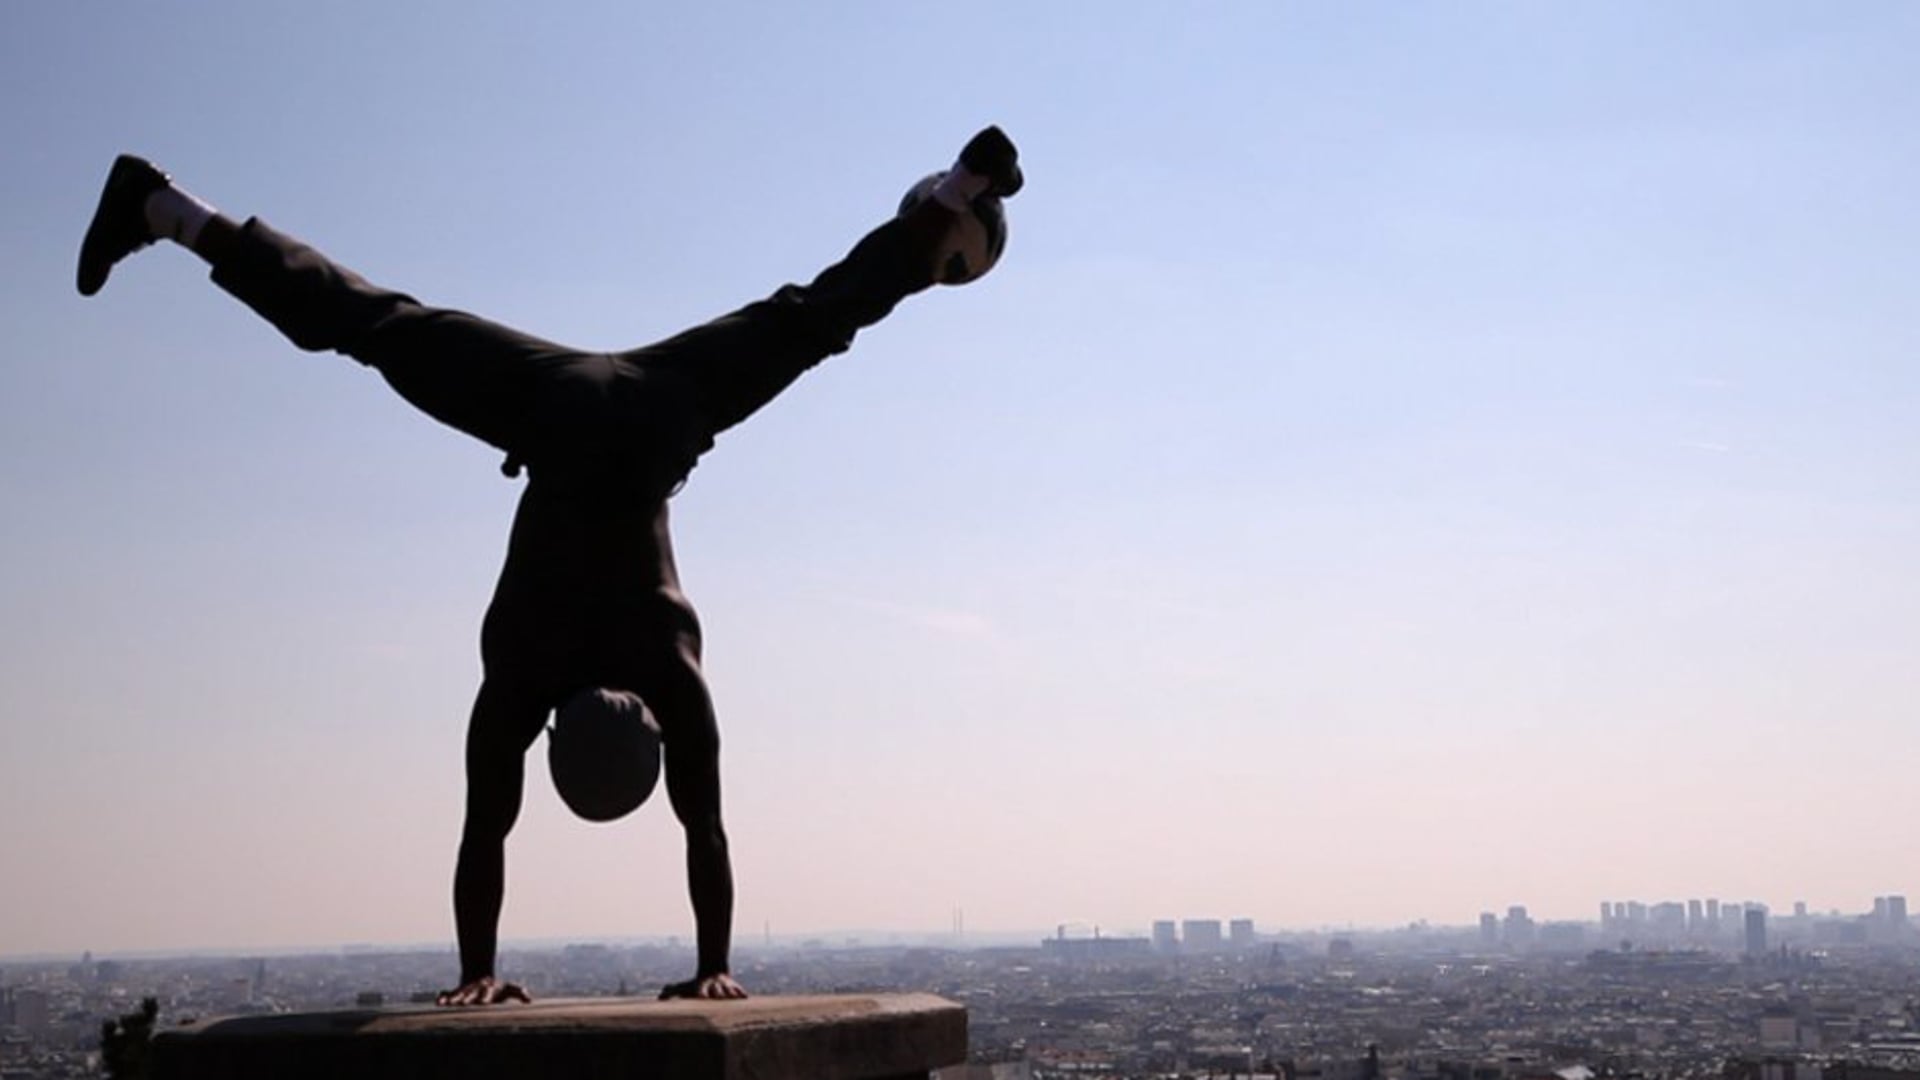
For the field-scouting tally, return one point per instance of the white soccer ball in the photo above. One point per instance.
(975, 241)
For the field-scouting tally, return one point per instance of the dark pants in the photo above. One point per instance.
(589, 594)
(635, 420)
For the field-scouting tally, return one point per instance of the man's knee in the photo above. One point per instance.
(318, 304)
(801, 313)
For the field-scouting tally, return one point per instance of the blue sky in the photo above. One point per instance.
(1412, 459)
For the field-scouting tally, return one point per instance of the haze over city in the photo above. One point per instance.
(1412, 460)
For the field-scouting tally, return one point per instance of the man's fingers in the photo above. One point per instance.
(706, 988)
(719, 988)
(483, 992)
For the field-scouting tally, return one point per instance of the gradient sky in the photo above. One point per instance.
(1413, 459)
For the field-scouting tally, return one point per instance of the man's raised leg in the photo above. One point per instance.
(467, 372)
(740, 361)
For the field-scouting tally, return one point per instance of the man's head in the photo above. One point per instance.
(604, 752)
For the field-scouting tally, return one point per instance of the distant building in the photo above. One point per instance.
(1713, 917)
(1240, 933)
(1889, 920)
(1756, 922)
(1166, 936)
(1200, 935)
(1090, 949)
(1696, 918)
(1668, 920)
(1669, 967)
(1489, 929)
(1518, 930)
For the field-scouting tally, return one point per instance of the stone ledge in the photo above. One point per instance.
(869, 1037)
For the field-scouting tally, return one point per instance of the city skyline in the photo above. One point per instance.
(1408, 462)
(1383, 1008)
(1161, 932)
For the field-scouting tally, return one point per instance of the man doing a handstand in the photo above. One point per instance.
(589, 596)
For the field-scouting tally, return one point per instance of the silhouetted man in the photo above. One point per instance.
(589, 596)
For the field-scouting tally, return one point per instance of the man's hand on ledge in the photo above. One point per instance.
(486, 990)
(717, 987)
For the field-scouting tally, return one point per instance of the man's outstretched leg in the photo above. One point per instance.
(742, 360)
(471, 374)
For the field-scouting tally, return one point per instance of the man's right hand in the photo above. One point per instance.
(485, 990)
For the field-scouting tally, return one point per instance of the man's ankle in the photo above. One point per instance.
(219, 236)
(173, 213)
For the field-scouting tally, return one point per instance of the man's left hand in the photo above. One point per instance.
(716, 987)
(485, 990)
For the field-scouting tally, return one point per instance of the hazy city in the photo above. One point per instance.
(1657, 989)
(1403, 570)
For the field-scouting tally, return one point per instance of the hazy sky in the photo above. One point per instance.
(1414, 458)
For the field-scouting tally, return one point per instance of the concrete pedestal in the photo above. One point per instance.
(877, 1037)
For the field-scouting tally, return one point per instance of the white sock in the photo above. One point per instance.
(957, 190)
(176, 215)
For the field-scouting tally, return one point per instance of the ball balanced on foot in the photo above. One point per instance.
(987, 172)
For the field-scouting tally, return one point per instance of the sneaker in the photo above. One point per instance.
(992, 155)
(119, 227)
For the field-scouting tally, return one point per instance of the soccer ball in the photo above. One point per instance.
(604, 752)
(975, 241)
